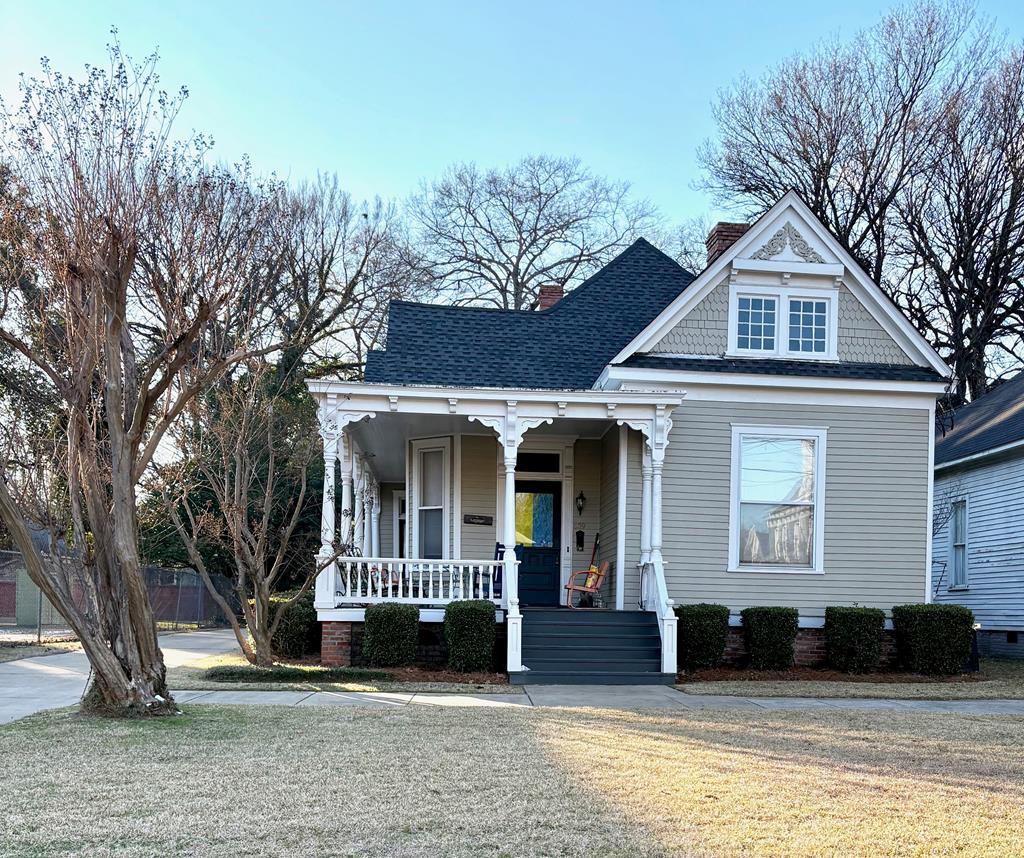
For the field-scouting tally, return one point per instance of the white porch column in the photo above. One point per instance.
(368, 513)
(358, 487)
(375, 522)
(323, 593)
(657, 466)
(346, 490)
(620, 519)
(645, 505)
(513, 619)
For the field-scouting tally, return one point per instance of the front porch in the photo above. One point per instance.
(425, 486)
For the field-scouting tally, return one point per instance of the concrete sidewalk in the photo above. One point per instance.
(31, 685)
(596, 697)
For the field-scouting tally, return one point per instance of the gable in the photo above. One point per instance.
(788, 251)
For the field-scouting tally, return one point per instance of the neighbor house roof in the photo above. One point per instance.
(774, 366)
(991, 421)
(564, 347)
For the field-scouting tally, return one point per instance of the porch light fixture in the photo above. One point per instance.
(581, 502)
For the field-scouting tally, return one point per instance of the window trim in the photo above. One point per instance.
(819, 435)
(782, 296)
(951, 545)
(419, 447)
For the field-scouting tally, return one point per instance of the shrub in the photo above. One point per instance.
(933, 638)
(770, 633)
(298, 633)
(469, 629)
(853, 638)
(389, 635)
(703, 630)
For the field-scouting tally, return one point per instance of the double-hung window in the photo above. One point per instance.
(783, 322)
(958, 544)
(778, 490)
(431, 481)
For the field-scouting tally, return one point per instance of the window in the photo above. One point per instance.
(538, 463)
(431, 480)
(535, 519)
(783, 322)
(807, 325)
(958, 544)
(776, 521)
(755, 327)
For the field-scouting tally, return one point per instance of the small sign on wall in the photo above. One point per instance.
(486, 520)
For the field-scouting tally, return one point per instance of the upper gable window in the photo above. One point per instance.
(780, 322)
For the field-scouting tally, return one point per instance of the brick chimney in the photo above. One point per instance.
(722, 237)
(549, 295)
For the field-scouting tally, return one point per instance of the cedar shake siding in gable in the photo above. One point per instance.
(876, 496)
(705, 331)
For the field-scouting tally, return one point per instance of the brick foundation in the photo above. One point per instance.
(343, 645)
(808, 651)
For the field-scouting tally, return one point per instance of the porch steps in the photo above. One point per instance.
(590, 647)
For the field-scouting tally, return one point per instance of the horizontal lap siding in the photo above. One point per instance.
(610, 508)
(995, 542)
(876, 494)
(587, 479)
(634, 493)
(479, 495)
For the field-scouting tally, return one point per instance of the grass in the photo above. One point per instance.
(12, 652)
(401, 781)
(230, 671)
(998, 679)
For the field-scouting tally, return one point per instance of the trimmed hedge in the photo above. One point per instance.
(770, 633)
(853, 638)
(389, 635)
(298, 633)
(469, 629)
(702, 633)
(933, 638)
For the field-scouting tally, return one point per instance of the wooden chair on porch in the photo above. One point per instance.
(593, 578)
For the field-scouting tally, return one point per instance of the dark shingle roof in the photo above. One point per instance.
(773, 366)
(993, 420)
(565, 347)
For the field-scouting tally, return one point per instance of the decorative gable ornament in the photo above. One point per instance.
(788, 236)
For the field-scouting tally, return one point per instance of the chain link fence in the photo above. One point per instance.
(179, 599)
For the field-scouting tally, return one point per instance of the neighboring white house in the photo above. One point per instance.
(978, 551)
(758, 434)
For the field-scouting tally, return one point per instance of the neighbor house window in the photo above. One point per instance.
(958, 544)
(783, 322)
(777, 499)
(431, 484)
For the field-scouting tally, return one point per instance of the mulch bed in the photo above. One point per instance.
(415, 674)
(813, 674)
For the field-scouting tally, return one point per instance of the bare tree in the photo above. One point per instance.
(137, 256)
(247, 446)
(685, 243)
(961, 262)
(494, 237)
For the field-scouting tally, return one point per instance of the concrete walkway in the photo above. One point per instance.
(31, 685)
(596, 697)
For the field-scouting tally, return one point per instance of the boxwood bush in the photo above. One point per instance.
(389, 635)
(933, 638)
(770, 633)
(298, 633)
(853, 638)
(702, 632)
(469, 630)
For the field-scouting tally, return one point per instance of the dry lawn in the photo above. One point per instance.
(410, 781)
(999, 679)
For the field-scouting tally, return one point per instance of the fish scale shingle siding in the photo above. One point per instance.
(876, 497)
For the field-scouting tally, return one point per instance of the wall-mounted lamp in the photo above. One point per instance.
(581, 502)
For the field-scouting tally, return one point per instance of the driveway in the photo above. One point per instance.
(48, 682)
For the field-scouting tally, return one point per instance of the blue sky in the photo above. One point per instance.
(385, 93)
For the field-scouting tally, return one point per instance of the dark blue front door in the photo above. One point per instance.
(538, 541)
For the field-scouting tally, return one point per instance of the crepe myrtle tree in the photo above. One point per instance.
(138, 278)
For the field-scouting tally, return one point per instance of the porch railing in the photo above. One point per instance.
(367, 580)
(654, 593)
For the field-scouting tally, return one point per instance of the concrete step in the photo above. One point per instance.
(576, 677)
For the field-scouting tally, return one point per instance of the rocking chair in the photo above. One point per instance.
(591, 583)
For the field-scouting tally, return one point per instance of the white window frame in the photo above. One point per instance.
(418, 447)
(782, 296)
(953, 585)
(819, 436)
(398, 547)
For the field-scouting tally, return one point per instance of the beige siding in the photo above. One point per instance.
(876, 493)
(587, 478)
(387, 519)
(479, 495)
(705, 331)
(610, 507)
(634, 498)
